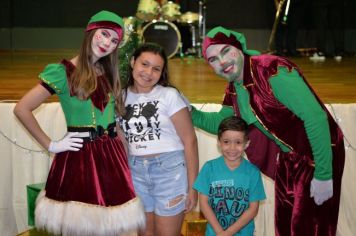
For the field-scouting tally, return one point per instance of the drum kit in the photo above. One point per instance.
(158, 24)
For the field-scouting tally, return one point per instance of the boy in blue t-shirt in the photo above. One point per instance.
(230, 187)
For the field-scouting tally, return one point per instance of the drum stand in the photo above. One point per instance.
(192, 30)
(201, 26)
(193, 50)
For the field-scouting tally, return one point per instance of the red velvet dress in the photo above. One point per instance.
(88, 192)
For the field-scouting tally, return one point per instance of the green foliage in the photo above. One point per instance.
(125, 53)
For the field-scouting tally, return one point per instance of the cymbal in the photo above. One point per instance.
(189, 17)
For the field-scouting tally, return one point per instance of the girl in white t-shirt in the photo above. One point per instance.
(162, 145)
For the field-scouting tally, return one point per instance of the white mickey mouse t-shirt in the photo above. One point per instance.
(147, 124)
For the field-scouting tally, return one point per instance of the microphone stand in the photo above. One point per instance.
(275, 24)
(285, 17)
(201, 25)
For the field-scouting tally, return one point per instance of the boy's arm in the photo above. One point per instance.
(244, 219)
(121, 134)
(185, 130)
(209, 214)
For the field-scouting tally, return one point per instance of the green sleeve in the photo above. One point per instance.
(54, 75)
(210, 121)
(291, 90)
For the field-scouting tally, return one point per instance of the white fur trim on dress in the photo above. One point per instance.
(82, 219)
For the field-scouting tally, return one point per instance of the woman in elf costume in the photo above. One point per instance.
(89, 189)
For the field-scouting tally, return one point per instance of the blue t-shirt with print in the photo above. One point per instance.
(230, 191)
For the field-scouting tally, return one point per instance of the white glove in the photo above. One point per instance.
(186, 101)
(68, 143)
(321, 190)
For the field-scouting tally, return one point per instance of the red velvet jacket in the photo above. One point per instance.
(275, 117)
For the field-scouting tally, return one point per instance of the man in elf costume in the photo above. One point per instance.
(294, 139)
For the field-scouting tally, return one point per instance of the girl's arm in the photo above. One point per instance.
(184, 128)
(121, 134)
(23, 110)
(209, 214)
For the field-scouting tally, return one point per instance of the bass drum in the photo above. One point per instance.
(163, 33)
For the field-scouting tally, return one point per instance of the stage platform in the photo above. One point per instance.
(334, 82)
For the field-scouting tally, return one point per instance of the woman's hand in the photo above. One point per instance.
(70, 142)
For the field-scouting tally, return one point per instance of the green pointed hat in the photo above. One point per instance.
(221, 35)
(107, 19)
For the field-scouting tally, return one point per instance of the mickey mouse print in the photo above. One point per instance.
(147, 124)
(141, 123)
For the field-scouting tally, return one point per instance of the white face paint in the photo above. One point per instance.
(226, 60)
(103, 43)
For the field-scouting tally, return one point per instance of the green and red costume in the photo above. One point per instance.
(293, 138)
(90, 191)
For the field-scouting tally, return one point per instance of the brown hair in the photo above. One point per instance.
(84, 79)
(233, 123)
(155, 49)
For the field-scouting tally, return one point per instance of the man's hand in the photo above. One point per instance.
(321, 190)
(69, 142)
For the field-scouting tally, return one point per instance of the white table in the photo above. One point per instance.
(19, 167)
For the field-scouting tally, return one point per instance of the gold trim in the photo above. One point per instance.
(274, 135)
(93, 113)
(50, 84)
(110, 110)
(81, 126)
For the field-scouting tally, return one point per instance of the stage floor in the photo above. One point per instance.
(334, 82)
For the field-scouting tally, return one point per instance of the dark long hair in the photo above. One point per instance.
(155, 49)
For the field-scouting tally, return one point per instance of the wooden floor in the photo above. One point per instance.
(334, 82)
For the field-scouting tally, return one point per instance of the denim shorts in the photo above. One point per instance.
(159, 180)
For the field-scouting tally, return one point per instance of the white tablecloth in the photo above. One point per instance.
(23, 162)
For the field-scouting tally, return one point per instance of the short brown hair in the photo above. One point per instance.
(233, 123)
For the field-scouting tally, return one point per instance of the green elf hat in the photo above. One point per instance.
(107, 19)
(221, 35)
